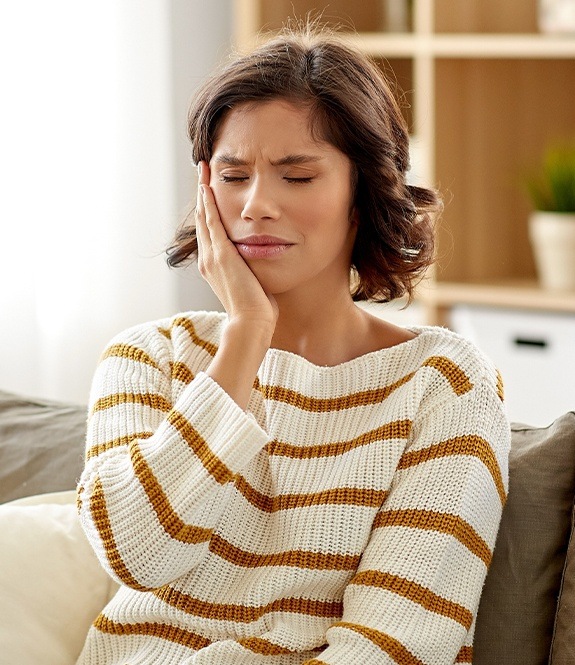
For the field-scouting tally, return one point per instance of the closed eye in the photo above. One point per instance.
(230, 178)
(299, 180)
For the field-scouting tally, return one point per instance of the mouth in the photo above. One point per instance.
(261, 247)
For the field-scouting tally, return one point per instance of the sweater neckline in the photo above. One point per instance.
(274, 355)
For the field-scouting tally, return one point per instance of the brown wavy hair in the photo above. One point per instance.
(352, 106)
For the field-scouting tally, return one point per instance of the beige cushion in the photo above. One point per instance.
(52, 585)
(518, 605)
(41, 446)
(563, 647)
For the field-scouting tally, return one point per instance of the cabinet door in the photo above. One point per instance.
(535, 354)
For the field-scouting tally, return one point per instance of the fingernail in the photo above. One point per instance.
(203, 190)
(200, 169)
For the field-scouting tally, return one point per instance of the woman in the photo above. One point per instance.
(295, 481)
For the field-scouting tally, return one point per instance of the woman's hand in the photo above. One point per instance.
(221, 265)
(252, 314)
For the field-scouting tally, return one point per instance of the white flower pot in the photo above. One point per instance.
(557, 16)
(552, 236)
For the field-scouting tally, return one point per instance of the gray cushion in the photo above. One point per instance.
(519, 601)
(41, 445)
(563, 647)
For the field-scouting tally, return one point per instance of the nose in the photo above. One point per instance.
(260, 202)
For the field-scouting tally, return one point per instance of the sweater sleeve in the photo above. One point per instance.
(416, 592)
(157, 476)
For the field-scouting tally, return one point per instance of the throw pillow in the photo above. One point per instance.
(53, 586)
(563, 647)
(41, 446)
(519, 601)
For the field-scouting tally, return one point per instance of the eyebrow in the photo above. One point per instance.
(288, 160)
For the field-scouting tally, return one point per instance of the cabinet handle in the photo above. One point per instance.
(526, 341)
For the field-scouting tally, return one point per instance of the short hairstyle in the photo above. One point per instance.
(353, 108)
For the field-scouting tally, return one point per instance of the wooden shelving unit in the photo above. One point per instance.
(485, 93)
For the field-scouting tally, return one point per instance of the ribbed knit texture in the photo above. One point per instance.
(348, 517)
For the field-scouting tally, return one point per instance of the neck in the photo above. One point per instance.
(320, 329)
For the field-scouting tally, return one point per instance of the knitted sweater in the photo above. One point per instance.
(348, 516)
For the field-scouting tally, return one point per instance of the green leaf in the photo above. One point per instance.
(553, 188)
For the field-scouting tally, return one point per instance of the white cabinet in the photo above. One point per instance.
(535, 354)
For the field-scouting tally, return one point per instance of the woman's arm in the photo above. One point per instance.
(157, 474)
(416, 592)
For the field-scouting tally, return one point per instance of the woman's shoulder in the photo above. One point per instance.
(161, 334)
(456, 355)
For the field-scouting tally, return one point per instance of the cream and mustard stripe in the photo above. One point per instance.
(286, 528)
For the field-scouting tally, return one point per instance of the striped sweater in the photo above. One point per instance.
(348, 516)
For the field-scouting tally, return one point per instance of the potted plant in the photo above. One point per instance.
(552, 223)
(557, 16)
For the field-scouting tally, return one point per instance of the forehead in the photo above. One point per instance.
(275, 123)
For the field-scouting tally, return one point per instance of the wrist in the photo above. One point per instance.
(248, 333)
(241, 350)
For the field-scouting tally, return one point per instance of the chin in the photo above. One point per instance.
(273, 282)
(276, 287)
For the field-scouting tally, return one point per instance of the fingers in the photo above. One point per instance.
(202, 233)
(208, 208)
(213, 241)
(203, 173)
(212, 219)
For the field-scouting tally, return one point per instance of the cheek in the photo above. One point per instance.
(337, 214)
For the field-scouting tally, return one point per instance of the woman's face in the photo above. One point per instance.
(284, 197)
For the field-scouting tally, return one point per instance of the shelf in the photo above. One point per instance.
(502, 46)
(386, 44)
(485, 93)
(465, 45)
(519, 295)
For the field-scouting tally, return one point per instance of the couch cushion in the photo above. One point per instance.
(41, 445)
(563, 647)
(519, 601)
(52, 585)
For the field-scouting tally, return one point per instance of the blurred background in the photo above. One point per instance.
(97, 174)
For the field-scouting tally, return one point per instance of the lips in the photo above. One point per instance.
(261, 247)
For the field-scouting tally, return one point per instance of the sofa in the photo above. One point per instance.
(52, 586)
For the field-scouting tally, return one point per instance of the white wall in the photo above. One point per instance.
(200, 38)
(96, 173)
